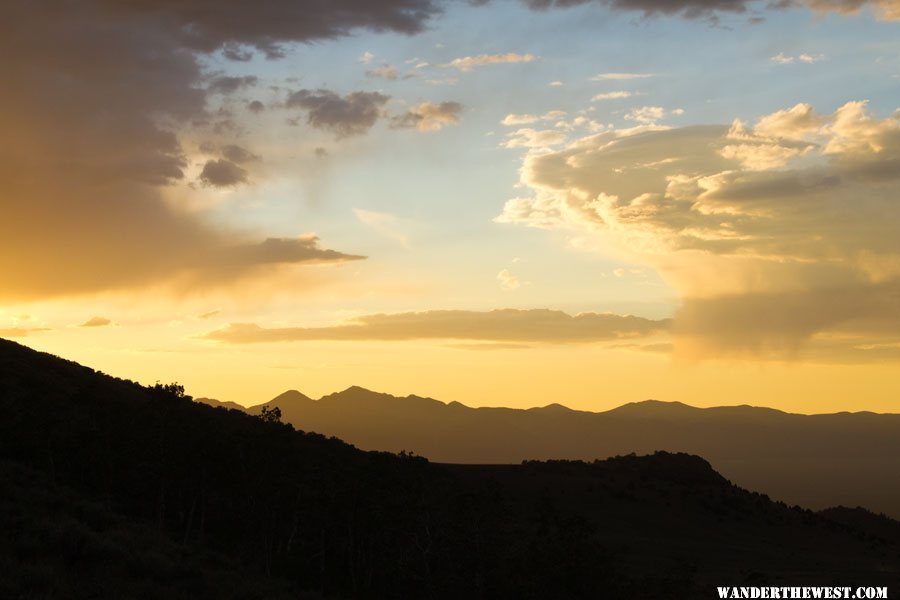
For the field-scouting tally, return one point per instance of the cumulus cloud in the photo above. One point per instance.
(345, 116)
(467, 63)
(96, 322)
(428, 116)
(791, 220)
(505, 325)
(96, 95)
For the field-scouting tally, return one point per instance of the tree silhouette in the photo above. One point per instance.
(270, 415)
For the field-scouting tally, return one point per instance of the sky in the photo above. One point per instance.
(502, 203)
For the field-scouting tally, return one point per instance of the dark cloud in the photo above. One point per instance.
(345, 116)
(226, 84)
(507, 325)
(691, 9)
(710, 9)
(222, 173)
(284, 251)
(238, 154)
(96, 322)
(94, 96)
(235, 52)
(207, 25)
(256, 107)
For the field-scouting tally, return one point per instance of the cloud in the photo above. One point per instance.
(428, 116)
(467, 63)
(208, 26)
(365, 58)
(783, 59)
(556, 84)
(96, 322)
(612, 96)
(526, 119)
(97, 97)
(710, 10)
(17, 332)
(886, 10)
(385, 71)
(648, 115)
(791, 220)
(345, 116)
(238, 154)
(513, 119)
(228, 85)
(505, 325)
(384, 224)
(620, 76)
(533, 138)
(507, 280)
(222, 173)
(691, 9)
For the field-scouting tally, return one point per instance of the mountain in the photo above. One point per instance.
(112, 489)
(217, 403)
(812, 460)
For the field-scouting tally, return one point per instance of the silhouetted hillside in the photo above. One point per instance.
(172, 492)
(814, 460)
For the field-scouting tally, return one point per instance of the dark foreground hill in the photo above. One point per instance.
(118, 491)
(812, 460)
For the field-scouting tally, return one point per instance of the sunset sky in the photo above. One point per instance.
(502, 203)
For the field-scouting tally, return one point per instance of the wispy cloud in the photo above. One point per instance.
(782, 59)
(503, 325)
(621, 76)
(467, 63)
(386, 225)
(613, 96)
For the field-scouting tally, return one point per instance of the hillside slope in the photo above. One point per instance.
(339, 522)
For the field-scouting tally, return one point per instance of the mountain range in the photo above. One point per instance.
(812, 460)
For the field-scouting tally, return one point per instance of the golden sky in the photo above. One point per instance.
(505, 203)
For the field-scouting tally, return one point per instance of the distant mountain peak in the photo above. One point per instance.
(290, 396)
(661, 407)
(553, 407)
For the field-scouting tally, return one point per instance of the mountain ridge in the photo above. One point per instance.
(815, 460)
